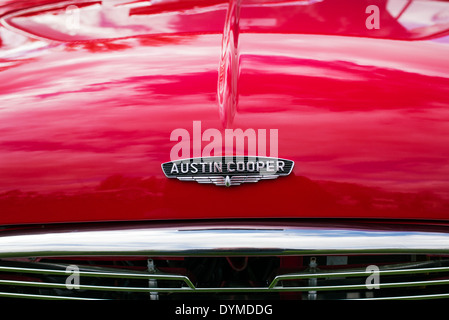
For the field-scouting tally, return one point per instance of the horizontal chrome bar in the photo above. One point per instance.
(40, 296)
(416, 297)
(233, 240)
(83, 286)
(102, 274)
(229, 289)
(339, 274)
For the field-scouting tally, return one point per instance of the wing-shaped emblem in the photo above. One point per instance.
(228, 171)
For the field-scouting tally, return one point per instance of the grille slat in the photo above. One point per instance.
(221, 289)
(416, 297)
(100, 274)
(40, 296)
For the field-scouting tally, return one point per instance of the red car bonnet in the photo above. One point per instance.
(87, 116)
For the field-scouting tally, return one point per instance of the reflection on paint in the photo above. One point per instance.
(85, 126)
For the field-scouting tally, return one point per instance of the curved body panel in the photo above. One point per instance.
(87, 118)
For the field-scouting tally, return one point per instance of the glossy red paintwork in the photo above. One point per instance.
(86, 118)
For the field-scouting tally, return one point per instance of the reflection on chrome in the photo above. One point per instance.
(222, 239)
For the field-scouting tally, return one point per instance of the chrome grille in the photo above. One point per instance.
(421, 280)
(226, 262)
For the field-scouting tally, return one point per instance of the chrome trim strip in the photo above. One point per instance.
(40, 296)
(48, 297)
(226, 289)
(417, 297)
(232, 240)
(357, 273)
(81, 286)
(100, 274)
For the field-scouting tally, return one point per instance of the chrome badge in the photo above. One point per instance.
(228, 170)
